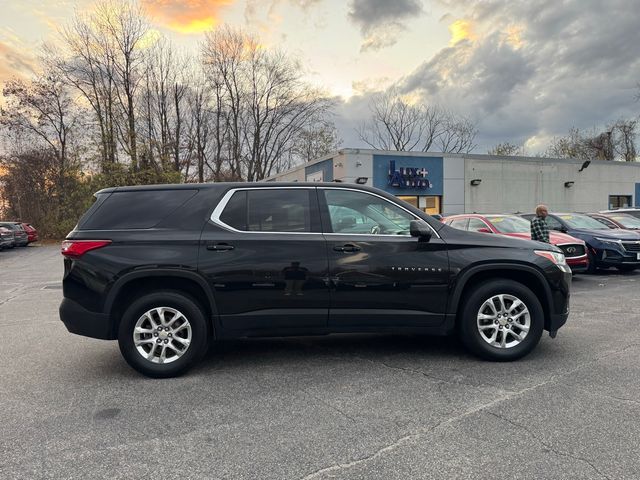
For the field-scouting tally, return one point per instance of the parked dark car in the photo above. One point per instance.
(574, 249)
(617, 220)
(21, 239)
(166, 269)
(606, 247)
(32, 233)
(7, 239)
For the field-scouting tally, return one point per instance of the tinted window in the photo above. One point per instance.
(361, 213)
(132, 210)
(270, 210)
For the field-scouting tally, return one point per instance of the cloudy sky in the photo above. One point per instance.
(525, 71)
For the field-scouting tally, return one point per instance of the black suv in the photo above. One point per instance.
(167, 269)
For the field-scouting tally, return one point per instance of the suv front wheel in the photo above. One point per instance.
(501, 320)
(162, 334)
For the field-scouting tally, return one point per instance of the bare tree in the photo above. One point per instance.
(44, 110)
(317, 140)
(106, 65)
(624, 134)
(397, 124)
(506, 149)
(266, 102)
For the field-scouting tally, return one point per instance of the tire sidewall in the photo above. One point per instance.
(199, 333)
(470, 334)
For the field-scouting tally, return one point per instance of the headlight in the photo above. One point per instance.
(608, 241)
(556, 258)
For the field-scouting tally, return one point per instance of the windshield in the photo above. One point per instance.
(510, 224)
(627, 221)
(583, 221)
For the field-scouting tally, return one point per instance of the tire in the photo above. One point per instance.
(182, 346)
(476, 303)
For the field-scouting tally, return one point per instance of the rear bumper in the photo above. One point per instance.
(81, 321)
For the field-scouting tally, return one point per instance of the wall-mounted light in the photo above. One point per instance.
(475, 182)
(585, 165)
(362, 180)
(337, 181)
(358, 164)
(568, 184)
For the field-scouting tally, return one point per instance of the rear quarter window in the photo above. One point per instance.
(133, 209)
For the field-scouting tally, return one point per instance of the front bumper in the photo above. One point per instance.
(578, 264)
(81, 321)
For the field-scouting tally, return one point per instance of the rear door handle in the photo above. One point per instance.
(347, 248)
(219, 247)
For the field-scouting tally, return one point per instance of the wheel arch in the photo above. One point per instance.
(135, 284)
(523, 274)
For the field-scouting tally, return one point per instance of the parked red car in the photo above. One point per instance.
(617, 220)
(575, 250)
(32, 233)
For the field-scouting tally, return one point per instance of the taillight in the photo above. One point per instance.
(77, 248)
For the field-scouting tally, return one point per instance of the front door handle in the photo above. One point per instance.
(219, 247)
(349, 247)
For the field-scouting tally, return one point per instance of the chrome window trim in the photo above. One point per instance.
(215, 215)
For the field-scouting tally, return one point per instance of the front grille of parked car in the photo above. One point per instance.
(631, 246)
(572, 250)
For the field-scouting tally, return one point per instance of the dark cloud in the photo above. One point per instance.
(382, 21)
(532, 70)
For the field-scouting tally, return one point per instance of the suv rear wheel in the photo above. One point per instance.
(501, 320)
(162, 334)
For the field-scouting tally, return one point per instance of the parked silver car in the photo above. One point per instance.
(21, 238)
(7, 239)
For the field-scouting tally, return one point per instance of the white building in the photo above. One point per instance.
(465, 183)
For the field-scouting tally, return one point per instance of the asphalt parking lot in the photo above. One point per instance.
(353, 407)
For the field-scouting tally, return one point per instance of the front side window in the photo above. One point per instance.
(476, 224)
(362, 213)
(269, 210)
(459, 223)
(553, 224)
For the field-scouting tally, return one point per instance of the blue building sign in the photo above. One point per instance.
(408, 175)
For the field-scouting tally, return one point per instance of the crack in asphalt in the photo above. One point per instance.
(549, 446)
(332, 407)
(421, 432)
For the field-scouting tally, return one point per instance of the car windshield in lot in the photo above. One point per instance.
(576, 220)
(510, 224)
(627, 221)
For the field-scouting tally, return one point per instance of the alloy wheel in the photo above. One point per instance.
(503, 321)
(162, 335)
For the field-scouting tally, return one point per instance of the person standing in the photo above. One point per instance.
(539, 227)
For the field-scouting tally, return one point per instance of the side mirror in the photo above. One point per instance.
(420, 229)
(484, 230)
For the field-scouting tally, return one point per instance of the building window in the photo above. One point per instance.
(619, 201)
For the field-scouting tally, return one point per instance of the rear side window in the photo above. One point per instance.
(271, 210)
(133, 209)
